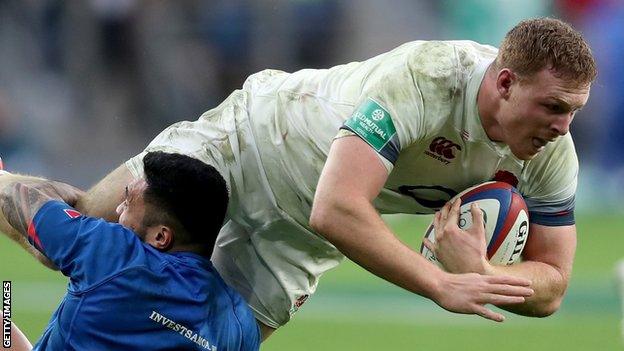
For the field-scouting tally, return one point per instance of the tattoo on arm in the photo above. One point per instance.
(20, 203)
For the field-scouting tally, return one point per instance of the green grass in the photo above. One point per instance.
(307, 335)
(354, 310)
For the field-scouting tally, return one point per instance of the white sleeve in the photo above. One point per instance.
(549, 184)
(391, 114)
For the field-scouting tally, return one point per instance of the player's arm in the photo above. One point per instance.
(547, 261)
(20, 198)
(102, 199)
(343, 213)
(547, 258)
(84, 248)
(23, 196)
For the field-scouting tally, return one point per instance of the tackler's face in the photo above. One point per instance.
(538, 110)
(132, 209)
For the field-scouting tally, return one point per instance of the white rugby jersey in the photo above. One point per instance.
(417, 107)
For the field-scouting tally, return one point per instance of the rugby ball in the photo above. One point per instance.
(506, 220)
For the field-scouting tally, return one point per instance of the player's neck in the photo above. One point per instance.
(488, 105)
(196, 249)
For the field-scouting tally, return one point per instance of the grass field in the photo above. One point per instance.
(354, 310)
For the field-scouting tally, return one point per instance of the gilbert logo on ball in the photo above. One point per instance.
(506, 220)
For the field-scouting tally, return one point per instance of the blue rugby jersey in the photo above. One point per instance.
(125, 295)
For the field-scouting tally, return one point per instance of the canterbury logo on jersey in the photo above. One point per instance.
(442, 149)
(298, 303)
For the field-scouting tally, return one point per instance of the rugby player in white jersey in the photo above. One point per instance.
(312, 158)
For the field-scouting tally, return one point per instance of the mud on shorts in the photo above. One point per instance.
(271, 260)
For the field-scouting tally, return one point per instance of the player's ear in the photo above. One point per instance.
(160, 237)
(504, 81)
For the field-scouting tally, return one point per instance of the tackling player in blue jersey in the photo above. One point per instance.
(145, 283)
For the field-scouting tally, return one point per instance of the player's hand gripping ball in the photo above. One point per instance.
(505, 216)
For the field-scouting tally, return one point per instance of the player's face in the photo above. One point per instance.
(132, 209)
(538, 111)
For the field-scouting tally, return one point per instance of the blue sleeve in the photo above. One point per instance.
(85, 249)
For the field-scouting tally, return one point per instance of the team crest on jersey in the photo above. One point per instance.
(442, 149)
(72, 213)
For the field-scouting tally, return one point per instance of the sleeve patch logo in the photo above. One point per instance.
(373, 124)
(378, 115)
(72, 213)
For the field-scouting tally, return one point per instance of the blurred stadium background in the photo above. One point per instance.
(84, 85)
